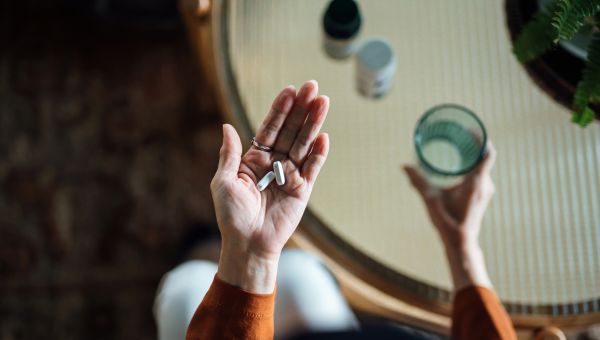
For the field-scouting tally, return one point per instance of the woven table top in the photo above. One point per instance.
(541, 234)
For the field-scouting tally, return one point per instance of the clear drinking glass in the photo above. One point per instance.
(450, 140)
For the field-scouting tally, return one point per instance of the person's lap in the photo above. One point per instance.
(308, 297)
(179, 293)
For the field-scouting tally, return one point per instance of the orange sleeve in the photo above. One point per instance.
(228, 312)
(478, 314)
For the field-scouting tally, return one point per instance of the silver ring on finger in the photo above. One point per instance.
(259, 146)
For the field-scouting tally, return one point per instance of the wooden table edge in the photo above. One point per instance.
(364, 293)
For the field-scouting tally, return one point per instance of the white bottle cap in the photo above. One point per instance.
(375, 67)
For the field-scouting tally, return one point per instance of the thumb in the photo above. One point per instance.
(417, 180)
(230, 154)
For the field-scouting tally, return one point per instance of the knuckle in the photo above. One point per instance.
(304, 142)
(429, 195)
(296, 182)
(287, 134)
(294, 124)
(315, 166)
(223, 151)
(485, 193)
(291, 128)
(276, 109)
(213, 184)
(271, 128)
(489, 184)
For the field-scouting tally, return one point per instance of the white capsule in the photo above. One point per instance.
(265, 181)
(279, 175)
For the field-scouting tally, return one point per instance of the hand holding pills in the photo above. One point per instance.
(255, 216)
(277, 174)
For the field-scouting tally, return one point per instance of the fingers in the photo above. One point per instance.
(315, 160)
(296, 118)
(435, 207)
(271, 126)
(231, 151)
(487, 163)
(306, 137)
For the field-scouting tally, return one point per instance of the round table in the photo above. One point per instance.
(541, 233)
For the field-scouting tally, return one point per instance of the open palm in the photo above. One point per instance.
(264, 221)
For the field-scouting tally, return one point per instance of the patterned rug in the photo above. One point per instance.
(107, 147)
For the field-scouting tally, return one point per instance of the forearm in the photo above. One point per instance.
(477, 311)
(466, 261)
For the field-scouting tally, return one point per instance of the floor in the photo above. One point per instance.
(107, 148)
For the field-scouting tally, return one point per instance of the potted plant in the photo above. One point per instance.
(575, 25)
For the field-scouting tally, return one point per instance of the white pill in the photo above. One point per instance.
(279, 175)
(265, 181)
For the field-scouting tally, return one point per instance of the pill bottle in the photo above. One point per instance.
(375, 68)
(341, 24)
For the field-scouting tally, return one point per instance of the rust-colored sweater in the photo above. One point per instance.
(228, 312)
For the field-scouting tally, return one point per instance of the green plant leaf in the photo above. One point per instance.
(537, 36)
(588, 88)
(584, 117)
(571, 15)
(589, 85)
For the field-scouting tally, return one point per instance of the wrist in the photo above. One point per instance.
(459, 239)
(250, 270)
(467, 262)
(464, 250)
